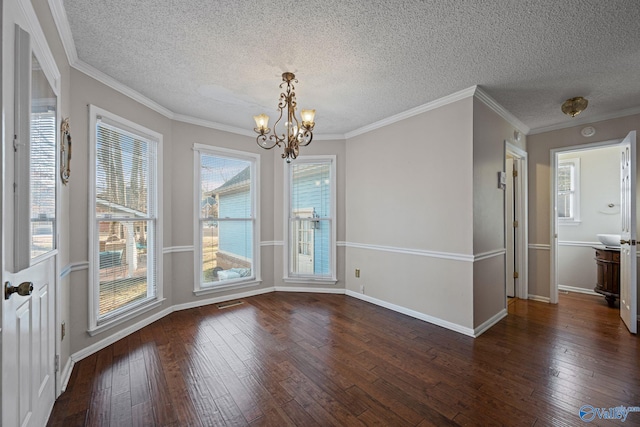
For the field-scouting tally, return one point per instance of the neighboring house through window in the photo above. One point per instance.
(568, 191)
(227, 249)
(310, 203)
(125, 219)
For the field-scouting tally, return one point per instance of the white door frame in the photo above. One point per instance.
(553, 291)
(522, 213)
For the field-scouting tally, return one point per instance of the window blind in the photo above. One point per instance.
(126, 218)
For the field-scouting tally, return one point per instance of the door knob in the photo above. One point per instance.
(24, 289)
(627, 242)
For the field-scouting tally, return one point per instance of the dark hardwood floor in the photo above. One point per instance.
(316, 360)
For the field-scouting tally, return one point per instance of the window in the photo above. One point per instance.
(311, 224)
(227, 249)
(34, 165)
(125, 226)
(568, 190)
(43, 163)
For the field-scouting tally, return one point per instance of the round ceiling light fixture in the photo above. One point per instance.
(574, 106)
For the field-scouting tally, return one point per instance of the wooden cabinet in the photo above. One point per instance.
(608, 277)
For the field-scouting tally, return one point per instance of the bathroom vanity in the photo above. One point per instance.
(608, 276)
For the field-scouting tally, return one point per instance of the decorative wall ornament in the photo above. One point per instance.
(65, 151)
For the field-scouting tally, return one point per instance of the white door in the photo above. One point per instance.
(29, 255)
(28, 374)
(304, 241)
(628, 260)
(510, 217)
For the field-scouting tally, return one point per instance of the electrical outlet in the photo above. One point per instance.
(62, 331)
(362, 289)
(357, 272)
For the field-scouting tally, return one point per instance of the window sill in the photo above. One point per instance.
(226, 287)
(110, 323)
(311, 280)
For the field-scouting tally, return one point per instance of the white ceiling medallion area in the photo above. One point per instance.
(437, 60)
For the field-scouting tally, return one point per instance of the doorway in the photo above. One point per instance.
(516, 222)
(588, 204)
(569, 208)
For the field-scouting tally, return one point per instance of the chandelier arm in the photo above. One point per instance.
(305, 138)
(261, 140)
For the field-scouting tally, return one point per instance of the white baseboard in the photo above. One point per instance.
(489, 323)
(340, 291)
(539, 298)
(577, 290)
(416, 314)
(66, 374)
(208, 301)
(97, 346)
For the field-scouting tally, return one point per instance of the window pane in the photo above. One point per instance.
(564, 206)
(122, 169)
(310, 247)
(227, 250)
(123, 262)
(565, 178)
(226, 210)
(311, 188)
(225, 187)
(42, 163)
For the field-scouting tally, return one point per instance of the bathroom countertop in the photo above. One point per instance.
(608, 248)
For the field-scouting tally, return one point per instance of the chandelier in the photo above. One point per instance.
(296, 134)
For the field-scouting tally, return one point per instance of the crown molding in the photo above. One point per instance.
(457, 96)
(500, 110)
(64, 30)
(586, 120)
(212, 125)
(40, 46)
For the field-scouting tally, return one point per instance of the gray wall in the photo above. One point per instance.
(489, 133)
(409, 201)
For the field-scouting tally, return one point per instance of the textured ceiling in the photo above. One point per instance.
(359, 62)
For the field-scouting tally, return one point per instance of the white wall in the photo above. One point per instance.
(599, 186)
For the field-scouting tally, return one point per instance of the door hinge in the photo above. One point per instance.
(515, 224)
(515, 173)
(515, 275)
(56, 363)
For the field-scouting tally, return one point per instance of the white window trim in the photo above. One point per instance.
(254, 159)
(151, 303)
(309, 279)
(575, 220)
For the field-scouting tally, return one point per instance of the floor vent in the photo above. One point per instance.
(228, 304)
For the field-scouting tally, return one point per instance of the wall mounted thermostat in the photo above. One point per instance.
(502, 180)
